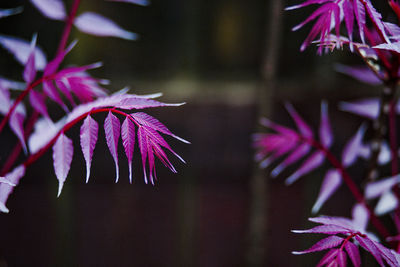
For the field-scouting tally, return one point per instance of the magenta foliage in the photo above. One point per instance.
(81, 96)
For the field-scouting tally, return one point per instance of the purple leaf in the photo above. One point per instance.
(328, 258)
(52, 9)
(17, 126)
(395, 47)
(326, 243)
(361, 73)
(134, 102)
(10, 11)
(5, 190)
(96, 24)
(304, 129)
(3, 180)
(149, 121)
(30, 69)
(376, 189)
(112, 128)
(128, 141)
(387, 254)
(332, 181)
(306, 3)
(137, 2)
(143, 146)
(88, 135)
(63, 151)
(324, 229)
(6, 83)
(387, 203)
(21, 50)
(296, 155)
(353, 147)
(368, 107)
(314, 161)
(341, 258)
(37, 101)
(318, 12)
(369, 246)
(325, 130)
(339, 221)
(360, 216)
(349, 19)
(359, 13)
(376, 18)
(63, 86)
(5, 102)
(354, 254)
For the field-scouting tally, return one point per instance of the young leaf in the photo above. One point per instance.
(21, 50)
(63, 151)
(368, 107)
(112, 128)
(96, 24)
(332, 181)
(50, 90)
(301, 124)
(296, 155)
(88, 137)
(52, 9)
(328, 229)
(328, 258)
(323, 244)
(143, 146)
(5, 189)
(341, 258)
(128, 140)
(369, 246)
(314, 161)
(359, 13)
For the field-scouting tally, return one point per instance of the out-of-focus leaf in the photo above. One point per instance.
(52, 9)
(331, 182)
(314, 161)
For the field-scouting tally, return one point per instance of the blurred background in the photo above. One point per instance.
(232, 62)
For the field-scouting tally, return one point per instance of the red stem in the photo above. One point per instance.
(68, 26)
(351, 185)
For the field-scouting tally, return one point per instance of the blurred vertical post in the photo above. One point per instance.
(257, 232)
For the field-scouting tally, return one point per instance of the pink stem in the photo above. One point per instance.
(68, 26)
(351, 185)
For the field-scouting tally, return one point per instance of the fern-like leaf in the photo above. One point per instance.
(63, 151)
(112, 128)
(88, 137)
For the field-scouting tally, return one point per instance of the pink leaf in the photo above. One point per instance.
(142, 140)
(128, 141)
(314, 161)
(96, 24)
(324, 229)
(376, 18)
(354, 254)
(376, 189)
(137, 2)
(5, 190)
(134, 102)
(328, 258)
(306, 3)
(4, 180)
(341, 258)
(63, 151)
(332, 181)
(30, 69)
(112, 128)
(52, 9)
(296, 155)
(387, 254)
(147, 120)
(21, 50)
(369, 246)
(51, 91)
(395, 47)
(326, 243)
(348, 18)
(88, 135)
(53, 65)
(339, 221)
(318, 12)
(359, 13)
(325, 130)
(37, 101)
(62, 85)
(352, 149)
(17, 126)
(304, 129)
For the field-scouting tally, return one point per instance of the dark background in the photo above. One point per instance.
(216, 211)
